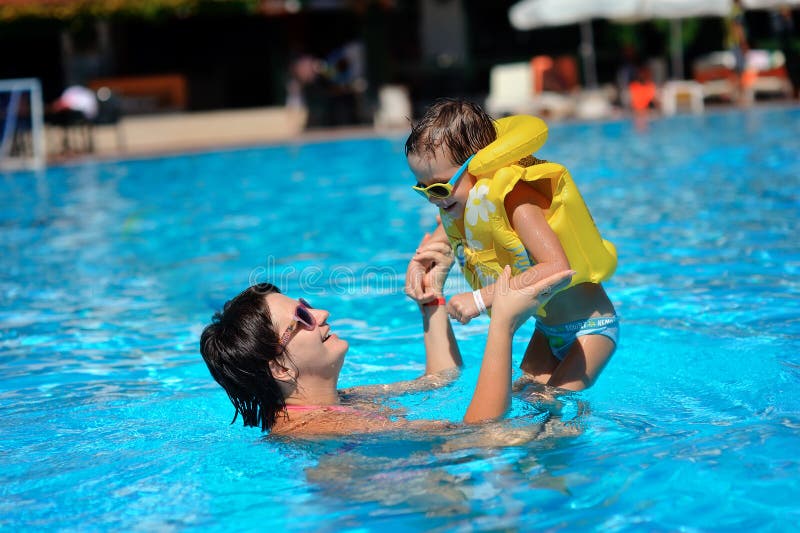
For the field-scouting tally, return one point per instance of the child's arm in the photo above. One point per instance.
(525, 208)
(526, 211)
(439, 234)
(512, 307)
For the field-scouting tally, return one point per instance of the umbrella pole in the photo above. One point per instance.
(587, 55)
(677, 49)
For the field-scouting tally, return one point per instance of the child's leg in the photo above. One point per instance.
(539, 362)
(584, 361)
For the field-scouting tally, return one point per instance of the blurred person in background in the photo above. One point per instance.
(736, 42)
(784, 29)
(76, 101)
(642, 91)
(75, 112)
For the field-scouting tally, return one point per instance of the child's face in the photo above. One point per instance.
(437, 168)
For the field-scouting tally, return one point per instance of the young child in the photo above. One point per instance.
(500, 206)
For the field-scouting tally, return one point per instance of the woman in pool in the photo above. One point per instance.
(279, 362)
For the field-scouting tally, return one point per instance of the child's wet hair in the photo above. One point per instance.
(461, 126)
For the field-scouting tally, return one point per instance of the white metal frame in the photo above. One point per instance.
(37, 122)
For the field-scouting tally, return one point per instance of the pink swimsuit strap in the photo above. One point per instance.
(300, 408)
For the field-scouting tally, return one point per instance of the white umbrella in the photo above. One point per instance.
(768, 4)
(531, 14)
(677, 9)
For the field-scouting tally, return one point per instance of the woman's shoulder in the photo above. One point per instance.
(330, 420)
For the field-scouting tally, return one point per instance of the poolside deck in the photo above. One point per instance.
(143, 135)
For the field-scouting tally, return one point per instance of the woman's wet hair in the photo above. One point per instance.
(237, 347)
(459, 125)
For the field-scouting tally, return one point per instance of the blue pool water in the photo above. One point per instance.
(110, 420)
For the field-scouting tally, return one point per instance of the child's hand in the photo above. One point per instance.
(438, 259)
(427, 270)
(462, 307)
(516, 305)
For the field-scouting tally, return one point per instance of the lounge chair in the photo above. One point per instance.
(764, 75)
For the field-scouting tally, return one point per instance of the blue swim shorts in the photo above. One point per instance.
(562, 336)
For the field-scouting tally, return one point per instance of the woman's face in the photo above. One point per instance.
(316, 352)
(437, 168)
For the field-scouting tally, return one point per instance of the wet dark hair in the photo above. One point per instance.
(463, 127)
(237, 347)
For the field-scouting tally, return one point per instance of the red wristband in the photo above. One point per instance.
(438, 301)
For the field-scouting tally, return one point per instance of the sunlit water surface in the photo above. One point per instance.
(110, 420)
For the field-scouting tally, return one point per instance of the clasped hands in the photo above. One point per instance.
(428, 269)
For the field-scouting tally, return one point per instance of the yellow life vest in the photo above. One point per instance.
(490, 242)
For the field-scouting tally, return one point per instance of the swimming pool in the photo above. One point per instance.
(110, 419)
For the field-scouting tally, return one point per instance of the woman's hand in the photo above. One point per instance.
(415, 272)
(515, 306)
(428, 269)
(462, 307)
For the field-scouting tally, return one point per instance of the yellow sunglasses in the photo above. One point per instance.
(443, 190)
